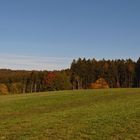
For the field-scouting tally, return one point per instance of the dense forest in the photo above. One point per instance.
(83, 72)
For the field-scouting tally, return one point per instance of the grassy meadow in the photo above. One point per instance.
(110, 114)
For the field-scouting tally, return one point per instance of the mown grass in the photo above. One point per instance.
(112, 114)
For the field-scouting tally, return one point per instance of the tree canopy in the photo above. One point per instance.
(83, 74)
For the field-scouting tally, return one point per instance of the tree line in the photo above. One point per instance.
(83, 72)
(13, 82)
(118, 73)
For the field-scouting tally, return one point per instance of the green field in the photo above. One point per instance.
(112, 114)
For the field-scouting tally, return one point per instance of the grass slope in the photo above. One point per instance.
(112, 114)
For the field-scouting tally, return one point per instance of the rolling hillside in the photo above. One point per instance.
(110, 114)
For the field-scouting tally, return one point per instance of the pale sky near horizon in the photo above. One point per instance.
(48, 34)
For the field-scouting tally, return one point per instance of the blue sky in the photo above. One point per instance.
(48, 34)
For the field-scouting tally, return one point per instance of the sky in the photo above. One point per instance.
(49, 34)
